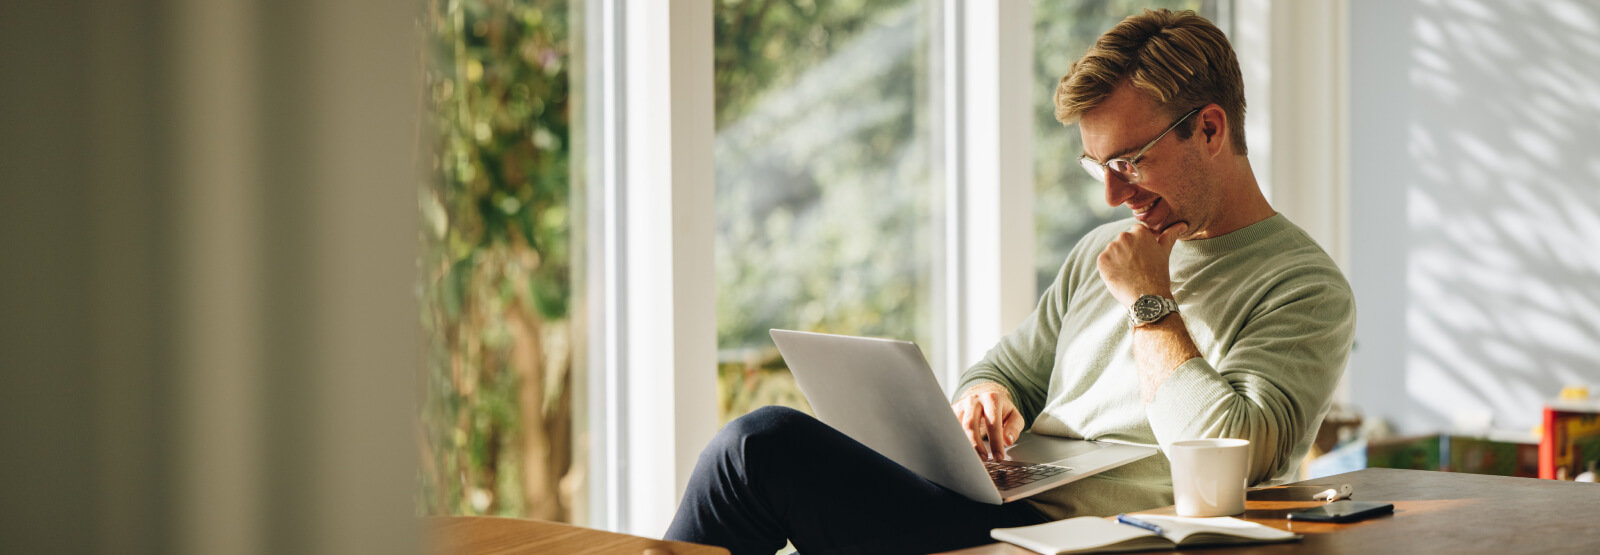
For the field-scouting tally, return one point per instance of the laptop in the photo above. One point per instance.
(882, 393)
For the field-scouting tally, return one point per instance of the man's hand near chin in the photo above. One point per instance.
(991, 421)
(1136, 262)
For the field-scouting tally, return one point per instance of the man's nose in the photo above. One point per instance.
(1117, 190)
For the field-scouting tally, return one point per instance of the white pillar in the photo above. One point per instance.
(667, 367)
(991, 201)
(1293, 55)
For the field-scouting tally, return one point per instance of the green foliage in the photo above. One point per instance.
(498, 92)
(761, 46)
(495, 257)
(758, 381)
(823, 181)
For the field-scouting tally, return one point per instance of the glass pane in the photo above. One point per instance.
(1067, 202)
(825, 179)
(495, 261)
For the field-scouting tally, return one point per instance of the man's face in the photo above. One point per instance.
(1174, 186)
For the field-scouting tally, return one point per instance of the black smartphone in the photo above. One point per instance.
(1342, 511)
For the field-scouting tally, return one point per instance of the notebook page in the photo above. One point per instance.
(1081, 534)
(1179, 528)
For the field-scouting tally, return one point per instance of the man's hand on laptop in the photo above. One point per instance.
(991, 421)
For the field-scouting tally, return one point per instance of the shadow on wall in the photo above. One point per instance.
(1502, 273)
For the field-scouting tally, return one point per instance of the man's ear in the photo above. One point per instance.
(1213, 127)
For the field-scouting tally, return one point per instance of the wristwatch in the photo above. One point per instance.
(1149, 309)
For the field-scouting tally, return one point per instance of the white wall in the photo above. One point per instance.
(1475, 207)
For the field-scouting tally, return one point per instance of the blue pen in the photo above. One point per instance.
(1130, 521)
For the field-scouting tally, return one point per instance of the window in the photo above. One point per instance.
(495, 262)
(824, 181)
(833, 163)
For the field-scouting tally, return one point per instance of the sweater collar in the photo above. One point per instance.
(1236, 239)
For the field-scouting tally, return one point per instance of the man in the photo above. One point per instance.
(1206, 315)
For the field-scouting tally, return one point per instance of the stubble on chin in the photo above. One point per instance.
(1161, 227)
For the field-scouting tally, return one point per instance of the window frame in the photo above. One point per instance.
(650, 147)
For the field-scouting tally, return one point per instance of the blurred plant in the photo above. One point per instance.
(496, 391)
(823, 181)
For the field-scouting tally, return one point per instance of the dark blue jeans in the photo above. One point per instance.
(777, 474)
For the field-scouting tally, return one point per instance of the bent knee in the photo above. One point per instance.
(761, 425)
(767, 420)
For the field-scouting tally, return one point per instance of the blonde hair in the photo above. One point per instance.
(1179, 59)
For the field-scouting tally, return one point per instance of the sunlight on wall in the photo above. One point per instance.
(1499, 181)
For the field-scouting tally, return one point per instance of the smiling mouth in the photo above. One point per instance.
(1142, 210)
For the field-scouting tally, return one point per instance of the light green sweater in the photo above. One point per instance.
(1268, 309)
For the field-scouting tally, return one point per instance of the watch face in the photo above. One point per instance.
(1147, 308)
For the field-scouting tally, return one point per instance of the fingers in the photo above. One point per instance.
(991, 428)
(1166, 238)
(1013, 427)
(973, 424)
(1134, 237)
(1172, 233)
(990, 421)
(994, 421)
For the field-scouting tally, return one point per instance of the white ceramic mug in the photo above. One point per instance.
(1208, 475)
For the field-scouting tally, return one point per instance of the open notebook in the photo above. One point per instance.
(1087, 534)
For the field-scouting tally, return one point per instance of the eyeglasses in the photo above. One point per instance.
(1125, 168)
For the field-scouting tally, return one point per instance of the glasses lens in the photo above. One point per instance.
(1094, 169)
(1124, 170)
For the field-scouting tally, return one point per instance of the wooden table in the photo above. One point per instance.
(1434, 512)
(483, 535)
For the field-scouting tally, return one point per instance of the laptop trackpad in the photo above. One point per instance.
(1037, 449)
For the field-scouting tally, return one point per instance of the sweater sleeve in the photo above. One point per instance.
(1273, 386)
(1023, 360)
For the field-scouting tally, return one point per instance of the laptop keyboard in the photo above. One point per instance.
(1011, 474)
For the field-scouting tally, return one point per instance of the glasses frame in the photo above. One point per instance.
(1099, 170)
